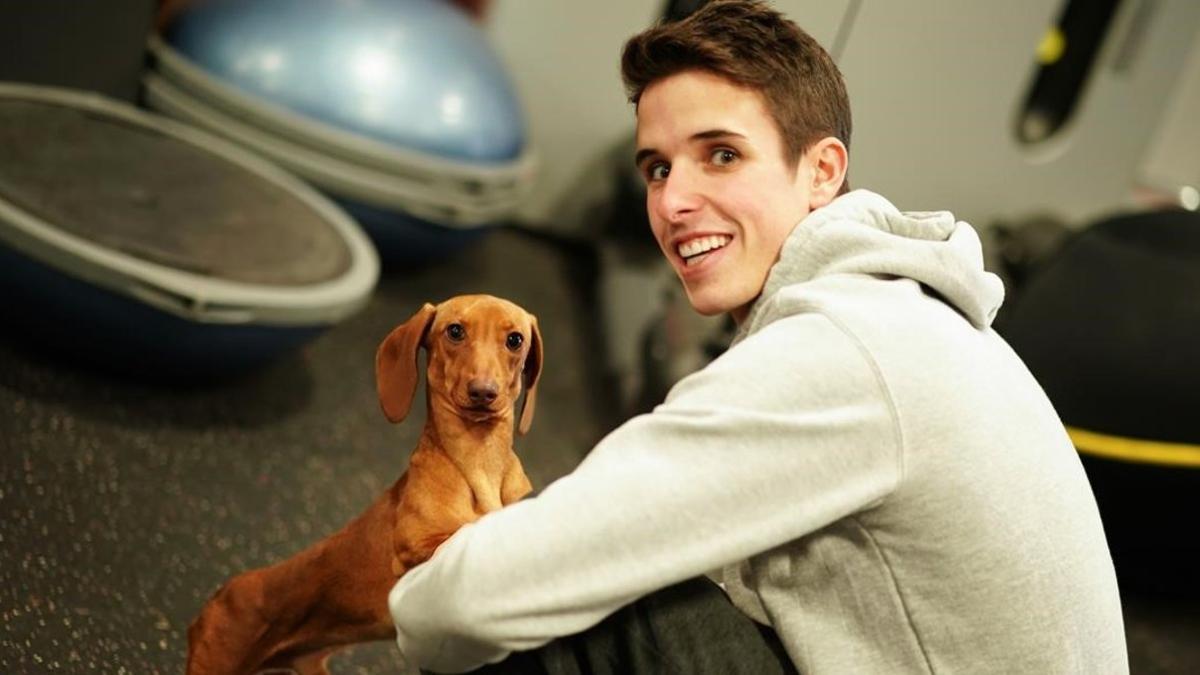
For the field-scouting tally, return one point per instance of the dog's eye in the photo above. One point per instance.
(515, 340)
(456, 332)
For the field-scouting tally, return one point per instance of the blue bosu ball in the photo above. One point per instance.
(398, 108)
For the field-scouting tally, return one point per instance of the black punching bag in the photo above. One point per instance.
(1111, 329)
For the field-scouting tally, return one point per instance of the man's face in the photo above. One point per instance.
(720, 196)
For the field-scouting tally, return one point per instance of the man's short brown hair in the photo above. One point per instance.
(753, 46)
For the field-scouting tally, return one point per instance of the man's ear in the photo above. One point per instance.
(827, 160)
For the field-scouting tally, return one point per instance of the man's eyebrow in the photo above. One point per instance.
(714, 133)
(642, 155)
(708, 134)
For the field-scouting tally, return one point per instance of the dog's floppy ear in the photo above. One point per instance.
(396, 374)
(529, 376)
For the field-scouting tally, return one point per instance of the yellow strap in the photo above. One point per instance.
(1135, 449)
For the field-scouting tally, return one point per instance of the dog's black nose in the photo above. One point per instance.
(482, 391)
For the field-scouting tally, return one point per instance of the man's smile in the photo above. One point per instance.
(696, 249)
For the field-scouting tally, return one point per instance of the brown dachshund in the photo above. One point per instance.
(292, 615)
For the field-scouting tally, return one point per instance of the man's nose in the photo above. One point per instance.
(680, 193)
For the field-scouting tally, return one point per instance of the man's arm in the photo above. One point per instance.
(786, 433)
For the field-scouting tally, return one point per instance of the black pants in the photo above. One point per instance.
(690, 629)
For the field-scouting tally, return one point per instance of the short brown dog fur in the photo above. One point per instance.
(292, 615)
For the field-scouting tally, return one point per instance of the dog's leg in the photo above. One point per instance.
(223, 637)
(312, 663)
(331, 594)
(515, 484)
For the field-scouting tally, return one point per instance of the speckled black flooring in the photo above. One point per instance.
(124, 504)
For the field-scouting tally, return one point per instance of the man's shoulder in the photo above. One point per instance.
(812, 347)
(837, 300)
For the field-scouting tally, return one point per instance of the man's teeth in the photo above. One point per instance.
(702, 245)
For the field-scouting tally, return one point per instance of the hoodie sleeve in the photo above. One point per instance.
(787, 432)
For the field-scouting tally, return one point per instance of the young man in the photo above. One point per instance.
(884, 484)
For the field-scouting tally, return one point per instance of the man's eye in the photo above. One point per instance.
(456, 332)
(658, 171)
(514, 341)
(723, 157)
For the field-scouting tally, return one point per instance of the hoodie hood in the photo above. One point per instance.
(863, 233)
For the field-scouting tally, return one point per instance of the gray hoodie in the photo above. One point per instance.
(876, 471)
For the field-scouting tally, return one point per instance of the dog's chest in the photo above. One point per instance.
(485, 491)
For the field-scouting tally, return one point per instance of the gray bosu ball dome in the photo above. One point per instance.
(1111, 329)
(138, 243)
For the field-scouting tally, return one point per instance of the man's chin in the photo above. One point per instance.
(707, 304)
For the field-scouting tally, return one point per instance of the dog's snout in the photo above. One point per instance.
(482, 391)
